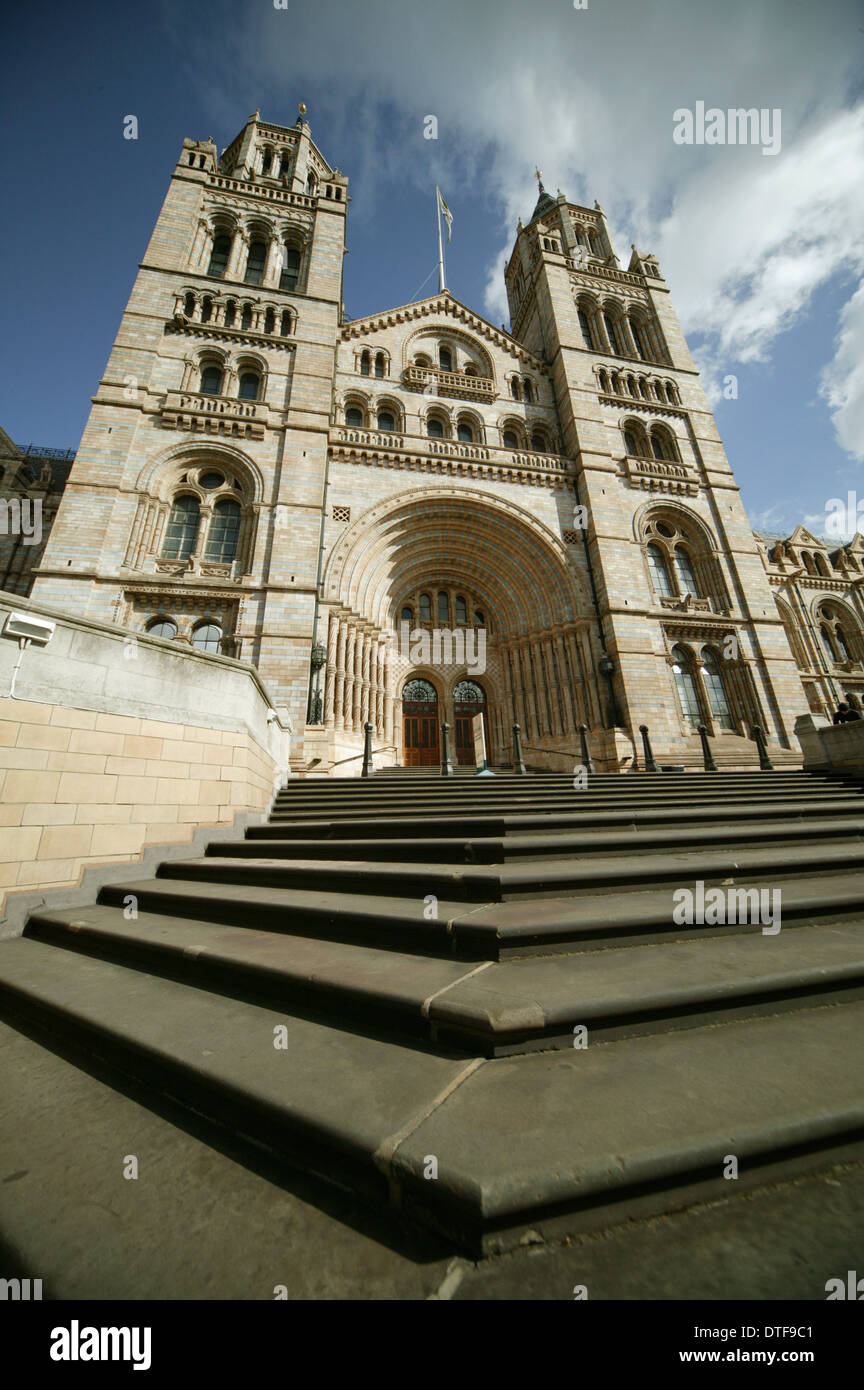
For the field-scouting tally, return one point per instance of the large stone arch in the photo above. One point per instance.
(457, 535)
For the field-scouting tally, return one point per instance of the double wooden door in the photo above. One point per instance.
(420, 733)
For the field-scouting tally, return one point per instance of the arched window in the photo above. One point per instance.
(510, 439)
(809, 563)
(445, 359)
(630, 443)
(230, 313)
(637, 338)
(643, 388)
(443, 607)
(594, 243)
(465, 432)
(365, 362)
(290, 273)
(425, 608)
(539, 442)
(670, 393)
(603, 378)
(266, 163)
(479, 618)
(255, 262)
(250, 385)
(822, 566)
(587, 334)
(269, 321)
(684, 570)
(661, 446)
(207, 637)
(715, 690)
(211, 380)
(246, 316)
(434, 427)
(353, 417)
(219, 256)
(311, 185)
(660, 580)
(685, 684)
(529, 390)
(182, 529)
(407, 614)
(379, 364)
(224, 531)
(514, 389)
(842, 644)
(612, 335)
(461, 609)
(189, 305)
(163, 627)
(386, 420)
(285, 324)
(827, 642)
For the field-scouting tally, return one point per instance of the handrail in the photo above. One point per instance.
(388, 748)
(529, 749)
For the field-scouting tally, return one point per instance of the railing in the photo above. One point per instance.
(490, 454)
(462, 384)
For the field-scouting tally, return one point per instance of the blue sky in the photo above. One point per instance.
(764, 255)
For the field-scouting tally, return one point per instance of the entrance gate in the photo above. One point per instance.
(419, 724)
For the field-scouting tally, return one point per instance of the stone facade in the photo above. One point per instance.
(262, 476)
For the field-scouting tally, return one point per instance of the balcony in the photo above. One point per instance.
(660, 475)
(200, 413)
(419, 453)
(462, 385)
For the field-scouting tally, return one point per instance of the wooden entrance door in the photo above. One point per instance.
(419, 724)
(469, 699)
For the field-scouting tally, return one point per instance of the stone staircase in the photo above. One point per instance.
(383, 986)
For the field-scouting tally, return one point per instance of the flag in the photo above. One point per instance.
(445, 211)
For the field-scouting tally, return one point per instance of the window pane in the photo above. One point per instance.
(510, 440)
(688, 697)
(224, 532)
(219, 256)
(465, 433)
(206, 637)
(182, 529)
(461, 610)
(425, 608)
(717, 702)
(249, 386)
(211, 381)
(586, 330)
(379, 365)
(684, 571)
(290, 268)
(255, 263)
(659, 573)
(354, 417)
(434, 429)
(164, 628)
(443, 607)
(386, 420)
(445, 359)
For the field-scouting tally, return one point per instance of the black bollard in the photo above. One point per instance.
(650, 765)
(765, 763)
(707, 755)
(583, 744)
(446, 765)
(368, 768)
(518, 760)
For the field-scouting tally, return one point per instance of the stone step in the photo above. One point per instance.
(537, 1142)
(447, 927)
(491, 849)
(540, 878)
(493, 1009)
(510, 822)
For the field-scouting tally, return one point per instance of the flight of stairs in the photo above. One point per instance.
(391, 985)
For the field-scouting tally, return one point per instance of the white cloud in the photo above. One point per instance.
(842, 381)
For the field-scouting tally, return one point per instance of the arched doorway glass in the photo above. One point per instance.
(419, 723)
(469, 699)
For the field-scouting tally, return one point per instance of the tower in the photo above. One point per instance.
(194, 506)
(689, 627)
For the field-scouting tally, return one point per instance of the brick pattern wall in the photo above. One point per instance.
(80, 788)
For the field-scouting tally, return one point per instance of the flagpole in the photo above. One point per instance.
(440, 244)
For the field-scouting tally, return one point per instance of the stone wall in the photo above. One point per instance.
(112, 741)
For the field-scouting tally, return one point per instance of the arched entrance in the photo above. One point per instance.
(419, 723)
(469, 699)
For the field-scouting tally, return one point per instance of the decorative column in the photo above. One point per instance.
(380, 653)
(351, 642)
(330, 677)
(366, 691)
(358, 683)
(237, 258)
(339, 699)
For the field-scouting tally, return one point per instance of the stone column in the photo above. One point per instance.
(358, 683)
(330, 678)
(366, 690)
(339, 699)
(351, 642)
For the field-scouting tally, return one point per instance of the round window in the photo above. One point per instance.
(211, 480)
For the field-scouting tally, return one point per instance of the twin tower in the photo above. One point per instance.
(261, 478)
